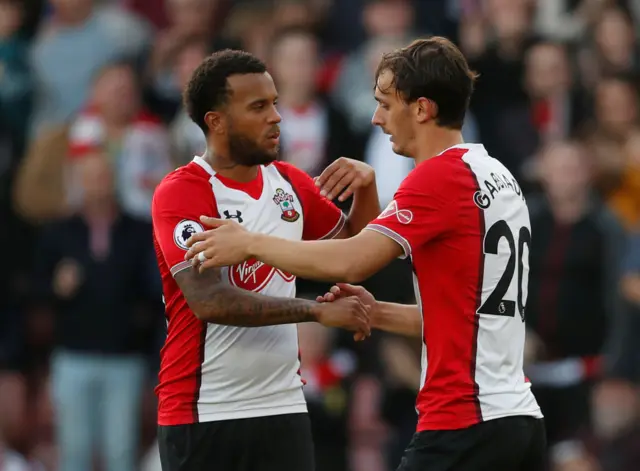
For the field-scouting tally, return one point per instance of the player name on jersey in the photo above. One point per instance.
(463, 210)
(483, 197)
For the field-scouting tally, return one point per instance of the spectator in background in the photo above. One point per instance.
(390, 167)
(96, 272)
(313, 132)
(297, 13)
(327, 373)
(495, 39)
(567, 20)
(189, 21)
(186, 137)
(559, 108)
(12, 461)
(573, 294)
(15, 80)
(614, 49)
(400, 357)
(616, 121)
(616, 402)
(390, 19)
(630, 287)
(624, 197)
(15, 97)
(74, 44)
(252, 25)
(135, 141)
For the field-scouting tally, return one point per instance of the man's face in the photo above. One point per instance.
(295, 63)
(96, 178)
(251, 120)
(614, 36)
(547, 70)
(187, 61)
(116, 94)
(190, 17)
(616, 104)
(393, 116)
(565, 172)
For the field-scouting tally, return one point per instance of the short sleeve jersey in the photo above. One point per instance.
(462, 219)
(215, 372)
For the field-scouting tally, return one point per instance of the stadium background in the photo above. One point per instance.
(556, 101)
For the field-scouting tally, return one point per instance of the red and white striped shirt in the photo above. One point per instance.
(215, 372)
(464, 222)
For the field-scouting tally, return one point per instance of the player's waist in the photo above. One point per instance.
(468, 410)
(565, 372)
(175, 410)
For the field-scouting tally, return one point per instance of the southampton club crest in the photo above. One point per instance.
(285, 201)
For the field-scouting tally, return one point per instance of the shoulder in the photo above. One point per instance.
(298, 178)
(434, 175)
(181, 187)
(288, 170)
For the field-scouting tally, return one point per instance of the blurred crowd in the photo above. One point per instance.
(91, 120)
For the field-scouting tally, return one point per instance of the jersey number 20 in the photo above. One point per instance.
(496, 304)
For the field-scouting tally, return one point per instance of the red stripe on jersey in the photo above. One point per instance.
(476, 320)
(182, 355)
(449, 396)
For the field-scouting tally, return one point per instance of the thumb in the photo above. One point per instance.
(348, 289)
(359, 336)
(213, 222)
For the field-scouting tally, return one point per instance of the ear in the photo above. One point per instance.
(425, 110)
(215, 122)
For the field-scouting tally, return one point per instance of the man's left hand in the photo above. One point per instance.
(344, 174)
(224, 245)
(342, 290)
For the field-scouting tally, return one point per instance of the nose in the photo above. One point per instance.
(375, 119)
(274, 116)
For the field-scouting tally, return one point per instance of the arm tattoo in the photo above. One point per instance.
(219, 303)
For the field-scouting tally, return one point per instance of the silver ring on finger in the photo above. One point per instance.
(202, 257)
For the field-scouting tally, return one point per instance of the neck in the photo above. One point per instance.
(569, 210)
(224, 166)
(435, 142)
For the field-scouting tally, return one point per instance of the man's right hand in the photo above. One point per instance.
(349, 313)
(343, 290)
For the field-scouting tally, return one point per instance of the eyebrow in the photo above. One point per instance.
(262, 100)
(378, 99)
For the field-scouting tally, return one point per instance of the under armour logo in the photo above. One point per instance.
(237, 216)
